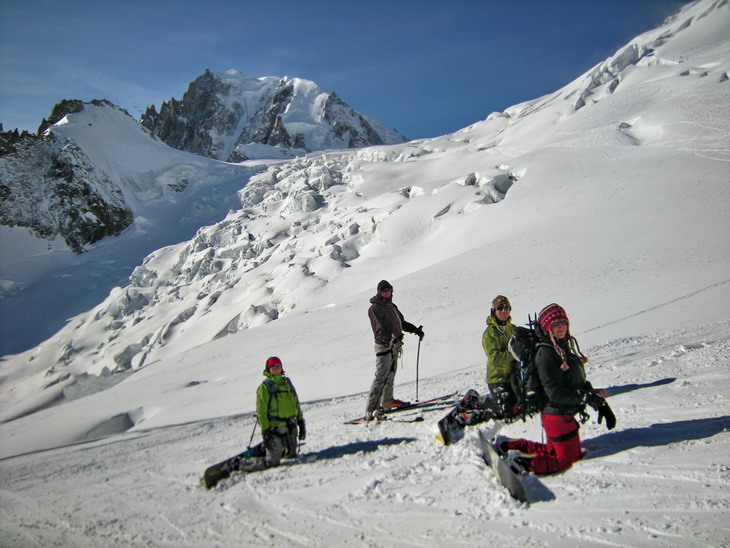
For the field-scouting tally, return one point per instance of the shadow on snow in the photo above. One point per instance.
(616, 390)
(655, 435)
(351, 449)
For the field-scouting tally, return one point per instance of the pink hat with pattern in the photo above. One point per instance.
(549, 314)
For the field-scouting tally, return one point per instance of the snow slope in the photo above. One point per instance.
(608, 196)
(660, 479)
(171, 193)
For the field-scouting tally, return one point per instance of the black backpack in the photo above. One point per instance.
(524, 379)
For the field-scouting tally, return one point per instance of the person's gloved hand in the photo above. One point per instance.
(605, 412)
(302, 430)
(419, 332)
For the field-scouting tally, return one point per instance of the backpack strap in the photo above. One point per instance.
(272, 392)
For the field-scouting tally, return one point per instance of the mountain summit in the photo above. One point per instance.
(232, 117)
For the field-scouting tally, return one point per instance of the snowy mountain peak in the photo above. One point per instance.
(230, 116)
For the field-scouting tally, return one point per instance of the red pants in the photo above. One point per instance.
(561, 450)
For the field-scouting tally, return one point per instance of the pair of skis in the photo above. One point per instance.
(433, 402)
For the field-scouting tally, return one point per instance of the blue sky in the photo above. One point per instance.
(424, 67)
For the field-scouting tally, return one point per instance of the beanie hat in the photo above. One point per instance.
(384, 284)
(549, 314)
(552, 313)
(272, 361)
(500, 300)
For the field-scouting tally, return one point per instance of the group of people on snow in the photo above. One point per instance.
(561, 369)
(559, 363)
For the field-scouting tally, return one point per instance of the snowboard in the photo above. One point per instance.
(451, 427)
(410, 406)
(511, 475)
(249, 461)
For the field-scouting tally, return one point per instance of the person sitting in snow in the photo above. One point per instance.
(279, 414)
(560, 366)
(500, 362)
(388, 326)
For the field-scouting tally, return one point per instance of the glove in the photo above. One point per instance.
(397, 345)
(604, 411)
(419, 332)
(302, 430)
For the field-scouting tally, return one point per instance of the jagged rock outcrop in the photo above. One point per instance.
(222, 113)
(48, 185)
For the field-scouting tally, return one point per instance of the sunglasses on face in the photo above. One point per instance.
(503, 308)
(559, 322)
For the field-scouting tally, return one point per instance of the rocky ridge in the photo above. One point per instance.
(223, 113)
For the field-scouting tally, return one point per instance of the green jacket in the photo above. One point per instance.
(283, 405)
(495, 343)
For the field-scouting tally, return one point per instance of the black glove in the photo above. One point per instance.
(604, 411)
(419, 332)
(302, 430)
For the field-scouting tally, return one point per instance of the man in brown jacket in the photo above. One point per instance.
(388, 326)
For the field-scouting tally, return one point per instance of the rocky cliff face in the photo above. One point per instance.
(223, 113)
(48, 185)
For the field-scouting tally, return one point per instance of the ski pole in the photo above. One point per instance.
(418, 358)
(255, 424)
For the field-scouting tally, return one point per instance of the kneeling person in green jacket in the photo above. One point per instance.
(279, 414)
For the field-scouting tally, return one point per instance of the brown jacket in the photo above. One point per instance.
(387, 322)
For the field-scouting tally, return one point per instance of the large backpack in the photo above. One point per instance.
(524, 379)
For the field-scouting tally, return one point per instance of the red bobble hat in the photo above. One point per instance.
(272, 361)
(549, 314)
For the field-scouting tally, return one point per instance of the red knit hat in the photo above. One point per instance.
(549, 314)
(272, 361)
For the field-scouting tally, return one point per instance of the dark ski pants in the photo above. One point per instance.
(276, 445)
(561, 450)
(504, 399)
(281, 443)
(381, 391)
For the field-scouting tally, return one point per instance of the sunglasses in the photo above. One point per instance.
(503, 308)
(559, 322)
